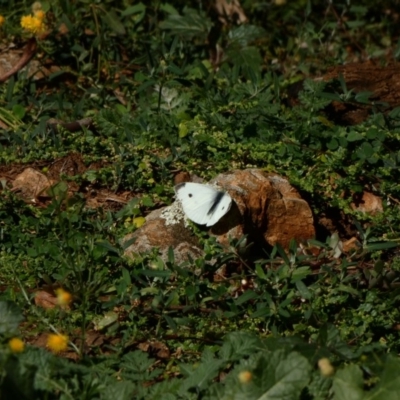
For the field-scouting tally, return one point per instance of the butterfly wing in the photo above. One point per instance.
(202, 203)
(221, 208)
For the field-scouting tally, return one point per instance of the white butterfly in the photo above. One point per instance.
(203, 204)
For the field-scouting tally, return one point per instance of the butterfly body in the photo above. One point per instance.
(203, 204)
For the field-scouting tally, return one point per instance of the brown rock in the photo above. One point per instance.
(31, 183)
(159, 232)
(272, 209)
(368, 203)
(265, 207)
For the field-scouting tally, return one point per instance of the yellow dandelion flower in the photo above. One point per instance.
(57, 343)
(2, 20)
(16, 345)
(26, 21)
(32, 24)
(63, 297)
(40, 15)
(245, 376)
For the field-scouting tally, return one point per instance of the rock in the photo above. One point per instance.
(157, 232)
(31, 183)
(367, 203)
(265, 207)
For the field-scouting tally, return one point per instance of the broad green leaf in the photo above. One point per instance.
(348, 383)
(203, 375)
(365, 150)
(354, 136)
(191, 24)
(10, 317)
(245, 57)
(281, 376)
(239, 345)
(388, 388)
(118, 390)
(246, 33)
(332, 144)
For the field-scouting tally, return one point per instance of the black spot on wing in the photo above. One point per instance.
(217, 199)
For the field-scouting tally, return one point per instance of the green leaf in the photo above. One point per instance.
(10, 317)
(381, 246)
(118, 390)
(331, 96)
(303, 289)
(168, 8)
(136, 9)
(106, 320)
(246, 33)
(183, 130)
(363, 97)
(332, 144)
(348, 383)
(202, 376)
(365, 151)
(238, 345)
(113, 21)
(278, 376)
(300, 273)
(18, 111)
(355, 24)
(147, 201)
(245, 57)
(107, 245)
(354, 136)
(191, 24)
(388, 387)
(246, 296)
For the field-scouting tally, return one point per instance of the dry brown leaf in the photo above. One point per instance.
(45, 299)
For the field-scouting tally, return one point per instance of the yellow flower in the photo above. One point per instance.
(139, 221)
(32, 24)
(57, 343)
(2, 20)
(16, 345)
(245, 376)
(326, 367)
(40, 15)
(63, 297)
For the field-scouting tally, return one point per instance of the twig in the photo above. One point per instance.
(70, 126)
